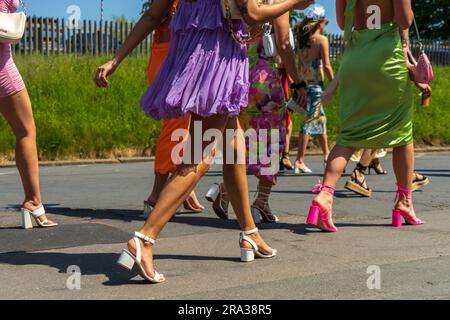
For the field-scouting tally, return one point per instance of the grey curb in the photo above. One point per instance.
(59, 163)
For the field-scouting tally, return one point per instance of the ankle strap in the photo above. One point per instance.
(403, 193)
(321, 187)
(361, 168)
(264, 190)
(144, 238)
(249, 232)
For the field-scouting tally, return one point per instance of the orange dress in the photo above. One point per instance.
(163, 158)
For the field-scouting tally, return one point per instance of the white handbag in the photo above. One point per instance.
(12, 26)
(270, 46)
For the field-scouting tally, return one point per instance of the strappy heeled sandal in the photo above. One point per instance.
(26, 218)
(263, 213)
(419, 181)
(188, 205)
(301, 169)
(127, 259)
(316, 211)
(397, 214)
(375, 165)
(357, 186)
(247, 254)
(285, 162)
(219, 198)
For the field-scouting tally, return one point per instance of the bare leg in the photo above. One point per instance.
(18, 113)
(337, 161)
(403, 161)
(288, 139)
(367, 157)
(285, 160)
(300, 165)
(323, 141)
(177, 189)
(303, 140)
(158, 186)
(235, 179)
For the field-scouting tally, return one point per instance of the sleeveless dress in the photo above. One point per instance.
(266, 111)
(206, 71)
(311, 71)
(376, 93)
(10, 80)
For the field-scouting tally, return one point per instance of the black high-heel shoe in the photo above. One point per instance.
(285, 162)
(376, 166)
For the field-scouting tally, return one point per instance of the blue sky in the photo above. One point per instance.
(90, 9)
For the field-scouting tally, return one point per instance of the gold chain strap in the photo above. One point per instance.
(251, 36)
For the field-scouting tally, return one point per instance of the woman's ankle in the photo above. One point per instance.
(324, 198)
(261, 202)
(404, 204)
(32, 203)
(152, 199)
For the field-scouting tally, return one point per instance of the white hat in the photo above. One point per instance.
(315, 12)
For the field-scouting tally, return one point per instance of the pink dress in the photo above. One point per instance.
(10, 80)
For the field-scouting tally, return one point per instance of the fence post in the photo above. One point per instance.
(101, 38)
(64, 35)
(30, 35)
(52, 25)
(91, 39)
(106, 35)
(111, 37)
(116, 40)
(46, 38)
(58, 35)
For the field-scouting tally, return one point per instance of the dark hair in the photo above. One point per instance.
(304, 31)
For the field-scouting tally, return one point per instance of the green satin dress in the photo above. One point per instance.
(376, 93)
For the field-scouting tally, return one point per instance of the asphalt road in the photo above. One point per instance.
(99, 207)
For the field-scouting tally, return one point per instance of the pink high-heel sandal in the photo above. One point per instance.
(397, 214)
(316, 210)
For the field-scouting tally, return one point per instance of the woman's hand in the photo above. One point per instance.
(101, 78)
(424, 88)
(255, 14)
(301, 97)
(327, 98)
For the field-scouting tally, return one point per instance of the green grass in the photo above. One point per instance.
(77, 120)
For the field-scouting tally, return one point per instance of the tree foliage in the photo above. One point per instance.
(433, 18)
(146, 5)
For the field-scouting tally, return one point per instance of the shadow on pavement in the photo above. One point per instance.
(338, 194)
(94, 263)
(232, 224)
(124, 215)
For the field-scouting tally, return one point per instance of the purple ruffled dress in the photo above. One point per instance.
(206, 72)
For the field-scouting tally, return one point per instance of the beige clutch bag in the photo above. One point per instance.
(12, 27)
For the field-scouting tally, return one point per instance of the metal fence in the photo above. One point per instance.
(55, 36)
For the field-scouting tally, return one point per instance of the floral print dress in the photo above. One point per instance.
(267, 115)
